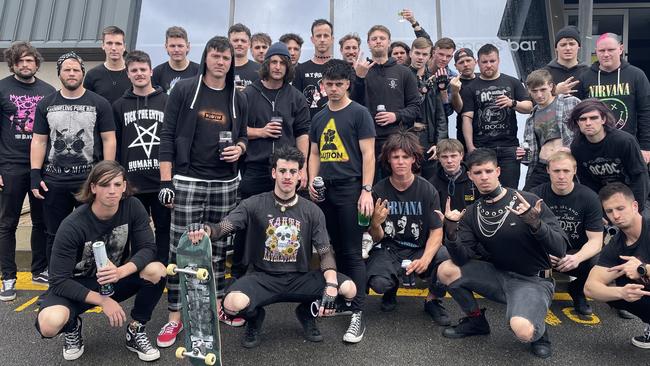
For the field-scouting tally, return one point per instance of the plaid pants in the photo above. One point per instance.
(199, 201)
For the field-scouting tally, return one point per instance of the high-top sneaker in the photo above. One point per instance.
(73, 347)
(138, 342)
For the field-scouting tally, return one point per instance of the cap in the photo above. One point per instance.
(463, 52)
(278, 48)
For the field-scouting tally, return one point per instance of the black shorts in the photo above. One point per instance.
(264, 288)
(386, 261)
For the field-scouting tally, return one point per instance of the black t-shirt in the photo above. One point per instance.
(109, 84)
(276, 241)
(577, 212)
(459, 116)
(127, 236)
(610, 256)
(307, 81)
(18, 107)
(73, 127)
(166, 77)
(493, 126)
(410, 213)
(337, 135)
(248, 73)
(212, 117)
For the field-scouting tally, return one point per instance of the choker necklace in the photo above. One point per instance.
(494, 194)
(323, 57)
(284, 204)
(489, 222)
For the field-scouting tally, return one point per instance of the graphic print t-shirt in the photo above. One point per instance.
(73, 127)
(166, 77)
(410, 213)
(337, 134)
(248, 73)
(493, 126)
(546, 124)
(307, 81)
(577, 212)
(18, 106)
(212, 117)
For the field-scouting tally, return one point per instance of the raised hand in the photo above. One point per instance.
(361, 66)
(451, 219)
(528, 214)
(380, 213)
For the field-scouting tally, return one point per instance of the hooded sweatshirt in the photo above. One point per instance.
(464, 192)
(289, 104)
(138, 123)
(626, 91)
(560, 72)
(181, 114)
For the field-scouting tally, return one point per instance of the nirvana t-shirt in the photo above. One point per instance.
(248, 73)
(109, 84)
(73, 127)
(212, 117)
(18, 107)
(577, 212)
(166, 77)
(493, 126)
(276, 241)
(337, 134)
(410, 213)
(610, 256)
(546, 125)
(307, 81)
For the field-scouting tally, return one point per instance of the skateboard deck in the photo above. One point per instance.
(199, 302)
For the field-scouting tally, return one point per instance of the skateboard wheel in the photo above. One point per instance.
(171, 269)
(202, 274)
(210, 359)
(180, 352)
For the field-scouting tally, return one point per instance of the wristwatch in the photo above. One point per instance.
(367, 188)
(642, 270)
(514, 103)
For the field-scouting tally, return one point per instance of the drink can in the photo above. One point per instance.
(225, 140)
(319, 187)
(101, 261)
(408, 280)
(528, 153)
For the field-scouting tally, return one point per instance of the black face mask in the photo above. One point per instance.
(494, 194)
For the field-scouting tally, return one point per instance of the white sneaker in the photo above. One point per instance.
(366, 245)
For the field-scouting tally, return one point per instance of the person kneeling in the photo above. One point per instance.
(281, 228)
(109, 215)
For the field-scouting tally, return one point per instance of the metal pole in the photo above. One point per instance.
(585, 17)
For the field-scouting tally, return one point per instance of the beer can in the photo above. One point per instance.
(101, 261)
(408, 280)
(319, 186)
(528, 153)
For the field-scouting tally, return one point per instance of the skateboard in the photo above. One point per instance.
(199, 302)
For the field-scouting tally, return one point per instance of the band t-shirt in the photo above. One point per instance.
(307, 81)
(337, 134)
(166, 77)
(109, 84)
(610, 256)
(546, 125)
(410, 213)
(213, 117)
(247, 73)
(18, 106)
(577, 212)
(493, 126)
(73, 127)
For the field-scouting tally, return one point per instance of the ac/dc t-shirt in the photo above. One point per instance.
(18, 106)
(577, 212)
(610, 256)
(337, 134)
(212, 117)
(166, 77)
(307, 81)
(410, 213)
(73, 127)
(109, 84)
(493, 126)
(248, 72)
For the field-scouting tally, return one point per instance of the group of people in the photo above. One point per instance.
(349, 158)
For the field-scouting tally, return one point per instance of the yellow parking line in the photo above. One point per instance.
(26, 305)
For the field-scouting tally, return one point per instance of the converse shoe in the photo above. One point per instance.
(73, 347)
(8, 291)
(643, 341)
(253, 328)
(168, 333)
(357, 328)
(437, 312)
(468, 326)
(308, 323)
(233, 321)
(138, 342)
(42, 278)
(366, 245)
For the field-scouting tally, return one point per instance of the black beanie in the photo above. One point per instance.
(569, 31)
(278, 48)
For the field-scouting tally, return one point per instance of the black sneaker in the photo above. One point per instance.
(643, 341)
(580, 304)
(624, 314)
(357, 328)
(542, 347)
(138, 342)
(437, 312)
(308, 323)
(253, 328)
(73, 347)
(8, 291)
(42, 278)
(389, 301)
(468, 326)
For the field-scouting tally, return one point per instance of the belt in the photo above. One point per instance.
(545, 273)
(342, 180)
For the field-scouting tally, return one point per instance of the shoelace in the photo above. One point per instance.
(355, 324)
(8, 284)
(646, 333)
(142, 341)
(73, 339)
(169, 328)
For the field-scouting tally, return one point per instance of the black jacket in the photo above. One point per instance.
(561, 73)
(464, 191)
(290, 104)
(432, 112)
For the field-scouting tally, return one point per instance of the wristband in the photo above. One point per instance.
(35, 179)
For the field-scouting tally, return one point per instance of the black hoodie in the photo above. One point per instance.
(138, 123)
(626, 91)
(560, 73)
(181, 117)
(464, 191)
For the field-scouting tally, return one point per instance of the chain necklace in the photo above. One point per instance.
(284, 204)
(489, 222)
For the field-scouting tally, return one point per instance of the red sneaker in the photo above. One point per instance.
(233, 321)
(168, 333)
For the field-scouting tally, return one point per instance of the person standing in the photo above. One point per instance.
(246, 70)
(109, 79)
(178, 67)
(260, 43)
(566, 68)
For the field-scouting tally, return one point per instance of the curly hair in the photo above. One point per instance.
(407, 142)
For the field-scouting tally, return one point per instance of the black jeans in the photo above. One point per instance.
(11, 203)
(58, 204)
(510, 166)
(581, 273)
(340, 209)
(162, 221)
(538, 176)
(640, 308)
